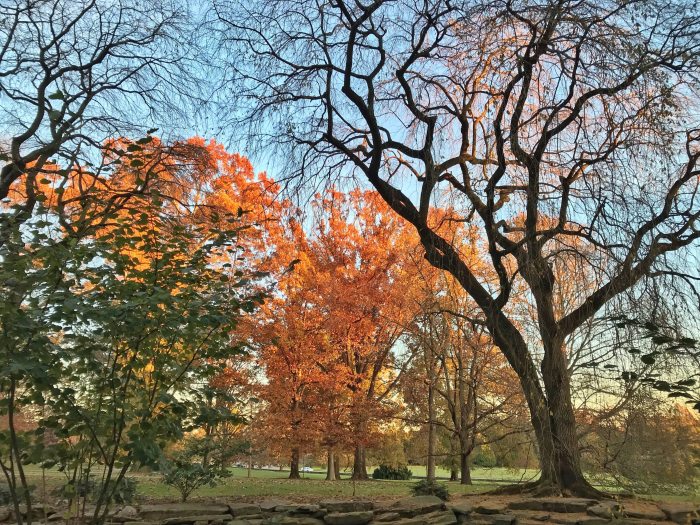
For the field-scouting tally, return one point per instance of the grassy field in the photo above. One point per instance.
(270, 483)
(263, 483)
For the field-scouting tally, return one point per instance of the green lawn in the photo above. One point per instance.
(266, 483)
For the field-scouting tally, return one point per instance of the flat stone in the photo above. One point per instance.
(387, 516)
(489, 508)
(126, 513)
(243, 509)
(346, 505)
(593, 520)
(141, 523)
(246, 521)
(561, 505)
(211, 518)
(680, 512)
(503, 519)
(349, 518)
(5, 513)
(297, 509)
(417, 505)
(411, 521)
(651, 513)
(38, 511)
(605, 509)
(157, 512)
(53, 518)
(460, 508)
(269, 505)
(441, 517)
(282, 519)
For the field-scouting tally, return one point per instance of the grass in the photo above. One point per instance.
(271, 483)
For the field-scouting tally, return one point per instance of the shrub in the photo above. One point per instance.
(388, 472)
(187, 470)
(430, 488)
(125, 490)
(485, 457)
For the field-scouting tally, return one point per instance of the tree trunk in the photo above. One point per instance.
(563, 459)
(454, 465)
(294, 465)
(465, 473)
(554, 423)
(336, 465)
(330, 470)
(359, 466)
(430, 468)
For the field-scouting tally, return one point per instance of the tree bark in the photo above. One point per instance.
(454, 462)
(336, 465)
(294, 465)
(465, 473)
(430, 468)
(359, 466)
(330, 470)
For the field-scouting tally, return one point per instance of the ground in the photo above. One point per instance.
(265, 483)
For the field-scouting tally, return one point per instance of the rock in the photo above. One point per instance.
(652, 513)
(126, 513)
(542, 517)
(502, 519)
(346, 506)
(593, 520)
(680, 512)
(5, 513)
(293, 508)
(417, 505)
(38, 511)
(165, 511)
(243, 509)
(269, 505)
(462, 508)
(489, 508)
(211, 518)
(605, 509)
(54, 517)
(349, 518)
(387, 516)
(562, 505)
(441, 517)
(283, 519)
(411, 521)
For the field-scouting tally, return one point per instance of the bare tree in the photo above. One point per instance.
(551, 126)
(75, 73)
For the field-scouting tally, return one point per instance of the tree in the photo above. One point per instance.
(113, 337)
(77, 73)
(539, 123)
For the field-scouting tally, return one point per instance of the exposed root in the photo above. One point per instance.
(545, 488)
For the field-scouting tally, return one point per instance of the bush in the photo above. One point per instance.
(82, 487)
(187, 470)
(430, 488)
(387, 472)
(87, 487)
(5, 496)
(485, 457)
(125, 491)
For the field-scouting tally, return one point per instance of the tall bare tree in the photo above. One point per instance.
(553, 126)
(74, 73)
